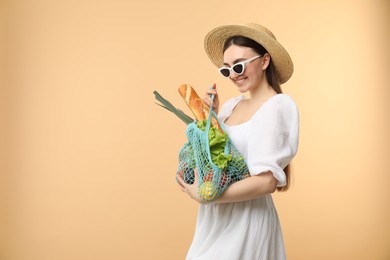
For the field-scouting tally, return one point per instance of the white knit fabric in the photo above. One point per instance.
(250, 230)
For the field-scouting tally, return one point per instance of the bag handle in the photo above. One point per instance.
(213, 114)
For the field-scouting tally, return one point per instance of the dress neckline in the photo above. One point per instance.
(250, 119)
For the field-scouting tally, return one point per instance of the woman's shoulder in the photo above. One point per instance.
(283, 99)
(281, 102)
(278, 106)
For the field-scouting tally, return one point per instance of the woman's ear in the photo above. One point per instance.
(266, 59)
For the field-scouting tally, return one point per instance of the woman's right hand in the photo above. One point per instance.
(207, 98)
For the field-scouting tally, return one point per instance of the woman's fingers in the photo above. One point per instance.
(212, 92)
(181, 182)
(196, 175)
(207, 98)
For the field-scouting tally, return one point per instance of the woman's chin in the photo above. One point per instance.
(242, 89)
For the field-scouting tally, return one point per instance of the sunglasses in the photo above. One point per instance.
(237, 68)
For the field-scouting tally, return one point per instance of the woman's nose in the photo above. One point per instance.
(233, 75)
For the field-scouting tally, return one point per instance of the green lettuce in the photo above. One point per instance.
(217, 142)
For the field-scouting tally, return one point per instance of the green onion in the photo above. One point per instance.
(167, 105)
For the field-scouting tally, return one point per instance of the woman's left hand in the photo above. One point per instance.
(191, 189)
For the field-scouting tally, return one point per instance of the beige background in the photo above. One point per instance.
(88, 160)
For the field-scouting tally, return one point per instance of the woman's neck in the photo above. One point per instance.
(262, 93)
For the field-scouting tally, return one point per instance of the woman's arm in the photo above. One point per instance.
(246, 189)
(249, 188)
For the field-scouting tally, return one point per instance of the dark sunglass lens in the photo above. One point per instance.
(238, 68)
(225, 72)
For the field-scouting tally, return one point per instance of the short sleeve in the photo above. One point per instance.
(273, 137)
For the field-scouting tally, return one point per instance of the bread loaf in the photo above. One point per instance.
(193, 101)
(200, 109)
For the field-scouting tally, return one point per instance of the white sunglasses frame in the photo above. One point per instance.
(238, 63)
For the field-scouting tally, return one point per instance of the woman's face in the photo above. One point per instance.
(254, 73)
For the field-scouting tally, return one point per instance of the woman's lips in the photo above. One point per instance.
(240, 81)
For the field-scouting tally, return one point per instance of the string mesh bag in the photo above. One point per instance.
(218, 162)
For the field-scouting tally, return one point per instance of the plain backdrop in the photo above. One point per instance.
(88, 160)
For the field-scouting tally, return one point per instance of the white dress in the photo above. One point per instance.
(250, 230)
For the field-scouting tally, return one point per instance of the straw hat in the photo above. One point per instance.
(216, 38)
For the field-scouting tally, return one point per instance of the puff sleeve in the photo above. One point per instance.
(273, 138)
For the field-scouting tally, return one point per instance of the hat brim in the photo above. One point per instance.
(215, 40)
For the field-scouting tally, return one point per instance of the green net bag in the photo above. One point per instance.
(218, 162)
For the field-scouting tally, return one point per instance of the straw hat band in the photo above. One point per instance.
(215, 40)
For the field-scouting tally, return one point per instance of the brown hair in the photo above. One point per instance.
(272, 79)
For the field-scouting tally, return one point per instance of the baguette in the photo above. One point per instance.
(200, 109)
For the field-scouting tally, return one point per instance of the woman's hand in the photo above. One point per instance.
(207, 98)
(191, 189)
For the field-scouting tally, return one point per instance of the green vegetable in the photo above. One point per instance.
(217, 142)
(168, 105)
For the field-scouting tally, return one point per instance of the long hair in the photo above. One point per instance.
(272, 80)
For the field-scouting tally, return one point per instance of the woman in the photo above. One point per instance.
(242, 224)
